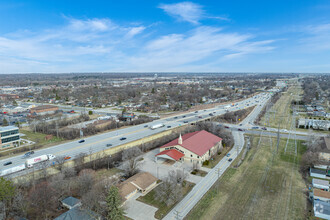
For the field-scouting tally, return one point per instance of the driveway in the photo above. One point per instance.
(160, 170)
(138, 210)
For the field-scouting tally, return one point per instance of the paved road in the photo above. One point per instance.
(98, 143)
(192, 198)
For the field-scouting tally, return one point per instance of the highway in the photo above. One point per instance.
(98, 142)
(192, 198)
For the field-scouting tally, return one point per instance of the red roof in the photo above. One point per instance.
(198, 142)
(176, 155)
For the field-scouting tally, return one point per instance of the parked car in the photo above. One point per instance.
(123, 138)
(8, 163)
(81, 141)
(109, 145)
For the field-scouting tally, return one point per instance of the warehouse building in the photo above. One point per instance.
(9, 137)
(44, 110)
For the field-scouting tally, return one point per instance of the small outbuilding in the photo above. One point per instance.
(320, 184)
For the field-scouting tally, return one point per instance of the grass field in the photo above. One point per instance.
(38, 138)
(163, 209)
(267, 185)
(281, 112)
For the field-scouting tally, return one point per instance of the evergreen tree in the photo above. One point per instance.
(115, 211)
(7, 192)
(5, 122)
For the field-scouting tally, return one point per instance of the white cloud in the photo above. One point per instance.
(102, 45)
(203, 44)
(317, 37)
(184, 11)
(135, 30)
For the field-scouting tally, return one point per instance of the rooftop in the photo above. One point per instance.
(43, 107)
(318, 171)
(173, 153)
(70, 201)
(321, 207)
(321, 193)
(8, 128)
(321, 182)
(198, 142)
(78, 213)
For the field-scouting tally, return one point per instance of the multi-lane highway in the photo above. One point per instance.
(99, 142)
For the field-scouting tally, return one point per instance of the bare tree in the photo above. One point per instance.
(60, 162)
(85, 180)
(169, 192)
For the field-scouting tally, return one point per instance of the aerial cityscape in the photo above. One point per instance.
(164, 110)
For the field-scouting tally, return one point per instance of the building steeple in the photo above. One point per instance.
(180, 139)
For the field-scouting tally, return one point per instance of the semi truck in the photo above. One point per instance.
(30, 162)
(12, 170)
(153, 127)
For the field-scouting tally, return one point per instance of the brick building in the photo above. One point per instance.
(43, 110)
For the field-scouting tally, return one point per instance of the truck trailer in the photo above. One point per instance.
(155, 126)
(30, 162)
(12, 170)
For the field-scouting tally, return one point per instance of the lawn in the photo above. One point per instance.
(215, 160)
(38, 138)
(281, 113)
(267, 185)
(163, 209)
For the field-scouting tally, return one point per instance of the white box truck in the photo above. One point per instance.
(12, 170)
(30, 162)
(153, 127)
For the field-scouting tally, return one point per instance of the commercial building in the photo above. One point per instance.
(43, 110)
(194, 147)
(9, 137)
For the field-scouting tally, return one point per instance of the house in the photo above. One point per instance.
(142, 182)
(194, 147)
(318, 173)
(80, 214)
(76, 211)
(321, 195)
(321, 209)
(324, 153)
(320, 184)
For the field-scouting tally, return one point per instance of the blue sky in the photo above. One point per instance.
(164, 36)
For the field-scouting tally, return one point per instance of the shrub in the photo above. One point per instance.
(206, 163)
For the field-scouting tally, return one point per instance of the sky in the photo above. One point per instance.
(61, 36)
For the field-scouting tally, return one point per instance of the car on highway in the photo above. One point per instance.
(175, 117)
(255, 127)
(200, 117)
(169, 126)
(228, 154)
(240, 129)
(8, 163)
(226, 127)
(109, 145)
(185, 121)
(196, 111)
(67, 158)
(123, 138)
(230, 159)
(264, 128)
(81, 141)
(183, 116)
(145, 126)
(240, 125)
(210, 114)
(28, 154)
